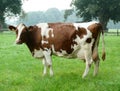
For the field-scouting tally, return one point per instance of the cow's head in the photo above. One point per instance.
(21, 33)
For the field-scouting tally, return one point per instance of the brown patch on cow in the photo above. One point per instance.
(34, 38)
(81, 32)
(64, 34)
(95, 29)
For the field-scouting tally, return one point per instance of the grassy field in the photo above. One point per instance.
(19, 71)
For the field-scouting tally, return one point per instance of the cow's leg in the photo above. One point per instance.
(45, 67)
(96, 68)
(48, 59)
(88, 65)
(96, 60)
(89, 60)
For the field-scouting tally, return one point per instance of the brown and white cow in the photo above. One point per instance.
(71, 40)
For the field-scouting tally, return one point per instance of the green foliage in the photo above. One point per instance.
(104, 10)
(8, 8)
(67, 13)
(19, 71)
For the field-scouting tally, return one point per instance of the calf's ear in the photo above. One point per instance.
(12, 28)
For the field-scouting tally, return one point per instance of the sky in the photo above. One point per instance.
(43, 5)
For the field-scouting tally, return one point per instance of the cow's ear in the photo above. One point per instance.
(30, 28)
(12, 28)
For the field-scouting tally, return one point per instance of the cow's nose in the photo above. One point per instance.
(18, 42)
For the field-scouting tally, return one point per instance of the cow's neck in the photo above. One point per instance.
(30, 43)
(30, 46)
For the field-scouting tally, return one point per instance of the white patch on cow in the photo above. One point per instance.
(44, 42)
(20, 27)
(76, 25)
(45, 29)
(85, 24)
(80, 53)
(52, 33)
(61, 53)
(77, 40)
(38, 53)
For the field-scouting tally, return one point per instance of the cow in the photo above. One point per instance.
(70, 40)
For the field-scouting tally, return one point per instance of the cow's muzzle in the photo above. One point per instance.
(18, 42)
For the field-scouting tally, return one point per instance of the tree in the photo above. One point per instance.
(70, 16)
(53, 15)
(9, 8)
(32, 18)
(67, 12)
(103, 10)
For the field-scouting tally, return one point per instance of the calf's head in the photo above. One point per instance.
(21, 33)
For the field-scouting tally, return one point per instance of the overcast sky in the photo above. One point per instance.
(43, 5)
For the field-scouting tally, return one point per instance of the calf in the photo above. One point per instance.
(71, 40)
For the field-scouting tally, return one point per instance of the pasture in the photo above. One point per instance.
(19, 71)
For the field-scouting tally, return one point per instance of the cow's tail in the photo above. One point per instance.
(103, 47)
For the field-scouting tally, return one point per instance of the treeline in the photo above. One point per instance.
(52, 15)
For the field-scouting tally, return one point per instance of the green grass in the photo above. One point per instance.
(19, 71)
